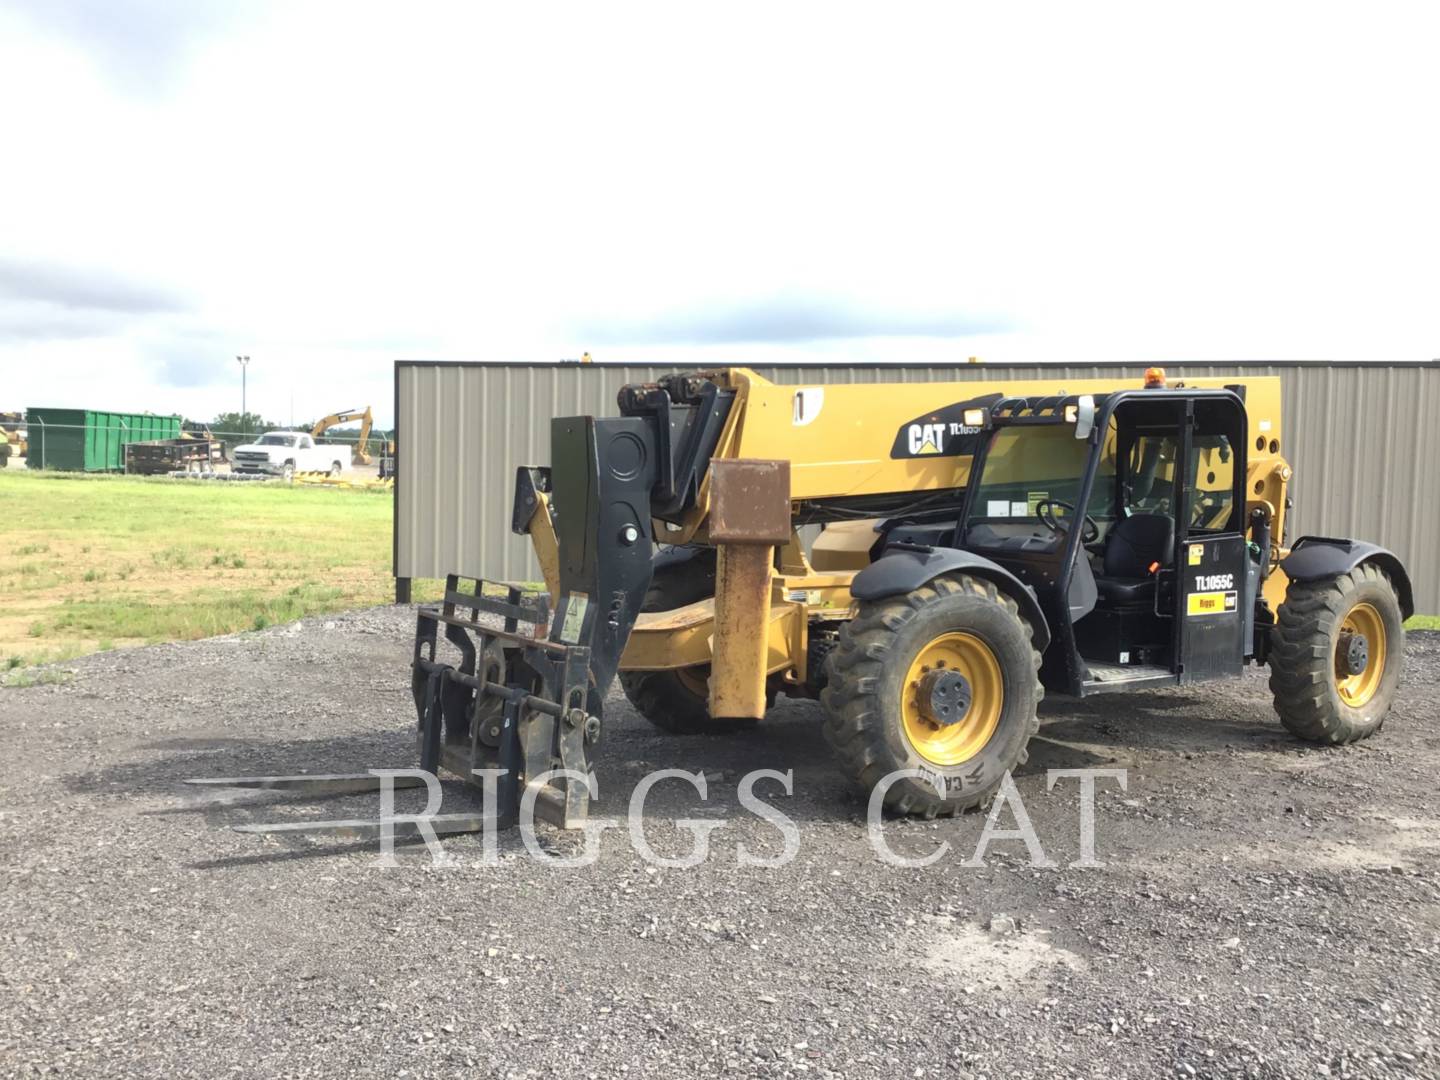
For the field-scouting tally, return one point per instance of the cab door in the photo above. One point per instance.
(1214, 590)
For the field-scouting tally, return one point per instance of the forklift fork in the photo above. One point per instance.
(513, 707)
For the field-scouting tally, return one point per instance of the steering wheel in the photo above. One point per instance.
(1045, 511)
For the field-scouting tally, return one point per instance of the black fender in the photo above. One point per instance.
(1315, 558)
(902, 570)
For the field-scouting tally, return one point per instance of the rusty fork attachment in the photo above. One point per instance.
(510, 713)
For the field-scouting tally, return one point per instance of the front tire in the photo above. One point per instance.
(941, 679)
(1338, 647)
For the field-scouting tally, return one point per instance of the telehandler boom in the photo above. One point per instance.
(979, 543)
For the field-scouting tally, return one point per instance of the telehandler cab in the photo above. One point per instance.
(979, 544)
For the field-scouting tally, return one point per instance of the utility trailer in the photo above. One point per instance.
(161, 457)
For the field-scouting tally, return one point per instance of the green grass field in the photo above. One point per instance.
(96, 562)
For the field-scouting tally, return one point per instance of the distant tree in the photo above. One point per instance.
(235, 428)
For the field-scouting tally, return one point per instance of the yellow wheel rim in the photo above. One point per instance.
(958, 742)
(1357, 690)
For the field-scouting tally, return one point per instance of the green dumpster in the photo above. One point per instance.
(89, 440)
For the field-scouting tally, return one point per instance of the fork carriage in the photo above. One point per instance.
(516, 701)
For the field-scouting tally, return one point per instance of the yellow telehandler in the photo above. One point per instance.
(979, 544)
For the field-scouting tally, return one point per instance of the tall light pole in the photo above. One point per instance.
(244, 410)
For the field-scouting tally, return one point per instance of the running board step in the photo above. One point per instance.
(1112, 678)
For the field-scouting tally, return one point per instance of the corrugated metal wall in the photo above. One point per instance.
(1363, 438)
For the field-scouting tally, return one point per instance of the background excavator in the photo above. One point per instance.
(361, 450)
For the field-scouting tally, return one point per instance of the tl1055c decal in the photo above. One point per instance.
(1214, 594)
(942, 433)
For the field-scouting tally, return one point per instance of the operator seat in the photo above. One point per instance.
(1134, 545)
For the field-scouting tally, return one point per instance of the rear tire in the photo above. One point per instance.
(677, 700)
(336, 469)
(875, 722)
(1318, 697)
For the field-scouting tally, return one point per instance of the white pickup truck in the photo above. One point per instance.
(284, 453)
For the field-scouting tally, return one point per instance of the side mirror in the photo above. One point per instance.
(1084, 416)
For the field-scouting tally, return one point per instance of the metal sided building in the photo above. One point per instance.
(1363, 439)
(88, 440)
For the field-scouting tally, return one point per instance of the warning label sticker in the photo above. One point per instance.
(1197, 552)
(574, 622)
(1211, 603)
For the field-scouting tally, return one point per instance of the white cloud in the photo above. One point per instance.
(332, 186)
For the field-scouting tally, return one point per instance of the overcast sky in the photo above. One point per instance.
(330, 186)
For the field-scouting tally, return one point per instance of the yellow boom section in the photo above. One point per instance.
(839, 439)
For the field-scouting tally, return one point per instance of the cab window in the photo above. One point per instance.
(1212, 469)
(1149, 486)
(1026, 465)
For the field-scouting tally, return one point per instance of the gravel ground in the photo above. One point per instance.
(1265, 909)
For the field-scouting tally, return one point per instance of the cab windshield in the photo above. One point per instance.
(1025, 466)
